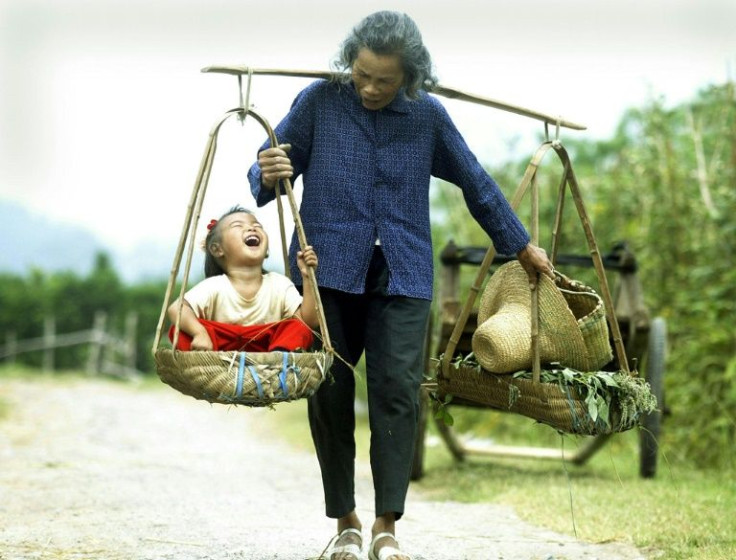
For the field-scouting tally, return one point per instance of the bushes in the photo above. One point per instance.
(672, 184)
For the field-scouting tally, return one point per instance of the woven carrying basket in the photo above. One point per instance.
(253, 379)
(561, 407)
(588, 309)
(246, 378)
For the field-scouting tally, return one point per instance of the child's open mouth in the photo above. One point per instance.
(252, 241)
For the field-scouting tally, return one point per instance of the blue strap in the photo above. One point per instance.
(257, 379)
(239, 382)
(282, 375)
(254, 375)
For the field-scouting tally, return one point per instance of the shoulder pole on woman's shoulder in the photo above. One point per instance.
(444, 91)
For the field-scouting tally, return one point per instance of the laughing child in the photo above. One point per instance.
(239, 306)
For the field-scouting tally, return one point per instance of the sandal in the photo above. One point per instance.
(386, 552)
(350, 548)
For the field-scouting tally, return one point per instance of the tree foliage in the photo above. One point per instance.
(668, 180)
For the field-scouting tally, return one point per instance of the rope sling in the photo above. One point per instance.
(253, 379)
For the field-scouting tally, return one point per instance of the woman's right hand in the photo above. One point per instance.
(275, 164)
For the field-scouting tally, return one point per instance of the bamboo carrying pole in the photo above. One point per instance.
(441, 90)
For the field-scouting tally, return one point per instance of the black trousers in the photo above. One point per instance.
(390, 330)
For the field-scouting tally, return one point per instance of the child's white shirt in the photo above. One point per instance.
(215, 299)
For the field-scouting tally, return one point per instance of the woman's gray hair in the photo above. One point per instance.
(387, 33)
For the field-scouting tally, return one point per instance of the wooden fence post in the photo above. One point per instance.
(131, 326)
(11, 346)
(49, 338)
(97, 340)
(107, 353)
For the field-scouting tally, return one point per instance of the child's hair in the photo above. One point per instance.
(214, 235)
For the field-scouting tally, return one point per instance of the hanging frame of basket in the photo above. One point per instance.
(529, 180)
(247, 378)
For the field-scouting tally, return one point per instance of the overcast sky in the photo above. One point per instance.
(104, 113)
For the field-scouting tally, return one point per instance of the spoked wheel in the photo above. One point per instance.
(429, 407)
(417, 465)
(652, 422)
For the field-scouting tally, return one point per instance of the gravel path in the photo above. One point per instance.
(106, 471)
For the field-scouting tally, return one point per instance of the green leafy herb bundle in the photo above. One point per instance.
(599, 401)
(614, 399)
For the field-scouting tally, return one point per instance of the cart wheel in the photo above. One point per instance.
(651, 423)
(417, 465)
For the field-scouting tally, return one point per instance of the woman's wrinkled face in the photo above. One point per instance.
(377, 78)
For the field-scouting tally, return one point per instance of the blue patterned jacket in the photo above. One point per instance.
(366, 176)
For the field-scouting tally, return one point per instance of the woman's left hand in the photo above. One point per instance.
(534, 261)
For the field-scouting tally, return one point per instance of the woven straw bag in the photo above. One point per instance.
(572, 323)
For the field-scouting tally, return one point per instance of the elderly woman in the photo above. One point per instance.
(366, 147)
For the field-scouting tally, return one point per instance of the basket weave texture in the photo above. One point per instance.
(548, 403)
(253, 379)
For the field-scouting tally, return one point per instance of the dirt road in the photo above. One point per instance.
(93, 469)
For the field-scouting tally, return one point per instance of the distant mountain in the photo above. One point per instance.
(29, 240)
